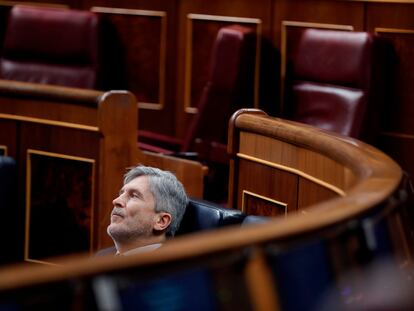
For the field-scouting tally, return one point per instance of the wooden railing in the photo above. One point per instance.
(285, 264)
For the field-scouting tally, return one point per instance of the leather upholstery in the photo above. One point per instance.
(51, 46)
(230, 86)
(203, 215)
(335, 83)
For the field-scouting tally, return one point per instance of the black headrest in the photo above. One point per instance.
(203, 215)
(253, 219)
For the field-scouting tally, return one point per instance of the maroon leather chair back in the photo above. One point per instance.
(51, 46)
(336, 82)
(230, 86)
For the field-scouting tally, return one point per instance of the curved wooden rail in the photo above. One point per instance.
(369, 192)
(52, 92)
(370, 176)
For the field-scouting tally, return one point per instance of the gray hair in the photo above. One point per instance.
(168, 192)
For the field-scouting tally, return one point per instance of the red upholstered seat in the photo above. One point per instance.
(230, 86)
(51, 46)
(336, 82)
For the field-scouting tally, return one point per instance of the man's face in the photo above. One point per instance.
(133, 216)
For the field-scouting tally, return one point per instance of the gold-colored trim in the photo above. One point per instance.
(4, 147)
(43, 262)
(122, 11)
(276, 202)
(49, 122)
(29, 152)
(224, 18)
(283, 46)
(188, 108)
(294, 171)
(257, 65)
(163, 48)
(378, 30)
(187, 70)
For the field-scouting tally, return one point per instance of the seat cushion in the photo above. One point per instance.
(333, 108)
(71, 76)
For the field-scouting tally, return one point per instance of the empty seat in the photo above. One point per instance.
(337, 82)
(51, 46)
(230, 86)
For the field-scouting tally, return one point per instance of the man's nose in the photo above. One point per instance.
(118, 201)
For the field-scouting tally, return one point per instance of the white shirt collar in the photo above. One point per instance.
(141, 249)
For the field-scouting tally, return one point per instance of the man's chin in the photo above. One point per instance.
(113, 229)
(117, 231)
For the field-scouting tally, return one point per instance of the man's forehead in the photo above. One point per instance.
(140, 183)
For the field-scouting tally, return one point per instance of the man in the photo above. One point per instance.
(149, 209)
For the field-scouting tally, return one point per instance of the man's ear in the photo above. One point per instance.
(163, 221)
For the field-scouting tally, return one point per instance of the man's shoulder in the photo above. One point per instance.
(106, 251)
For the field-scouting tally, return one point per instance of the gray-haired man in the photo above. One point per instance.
(149, 208)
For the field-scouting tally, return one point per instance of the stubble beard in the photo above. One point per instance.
(122, 234)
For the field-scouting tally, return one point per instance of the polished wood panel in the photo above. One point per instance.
(145, 69)
(69, 182)
(150, 63)
(323, 172)
(269, 185)
(293, 158)
(310, 193)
